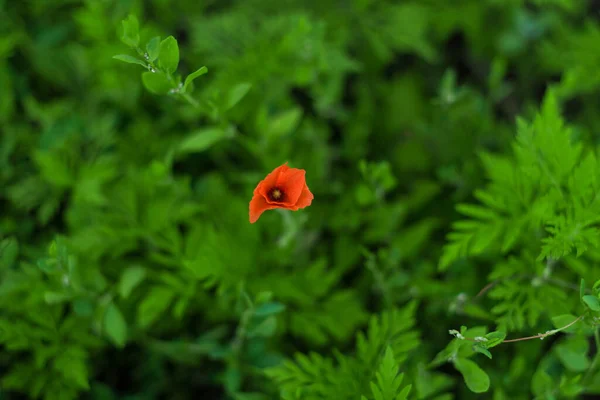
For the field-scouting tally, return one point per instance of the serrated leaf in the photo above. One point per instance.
(190, 78)
(387, 383)
(592, 302)
(115, 326)
(168, 57)
(129, 59)
(156, 82)
(475, 378)
(130, 278)
(153, 48)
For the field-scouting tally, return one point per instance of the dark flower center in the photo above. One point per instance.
(276, 194)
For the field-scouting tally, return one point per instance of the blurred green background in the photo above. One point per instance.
(128, 267)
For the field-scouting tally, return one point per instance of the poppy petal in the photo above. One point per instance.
(292, 183)
(271, 180)
(258, 205)
(305, 199)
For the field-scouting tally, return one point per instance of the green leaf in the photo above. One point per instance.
(115, 325)
(480, 349)
(236, 94)
(265, 328)
(269, 309)
(56, 297)
(592, 302)
(573, 354)
(582, 288)
(153, 48)
(285, 123)
(130, 278)
(190, 78)
(387, 380)
(154, 304)
(476, 379)
(596, 286)
(129, 59)
(54, 168)
(563, 320)
(9, 251)
(202, 140)
(168, 57)
(131, 31)
(494, 339)
(156, 82)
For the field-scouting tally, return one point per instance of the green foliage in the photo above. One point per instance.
(373, 368)
(451, 150)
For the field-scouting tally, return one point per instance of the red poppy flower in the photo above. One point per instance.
(285, 187)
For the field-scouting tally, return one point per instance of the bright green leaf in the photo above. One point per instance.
(202, 140)
(153, 48)
(560, 321)
(190, 78)
(480, 349)
(476, 379)
(129, 59)
(130, 278)
(285, 123)
(56, 297)
(154, 304)
(265, 328)
(168, 57)
(494, 339)
(131, 31)
(236, 94)
(156, 82)
(269, 309)
(115, 325)
(592, 302)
